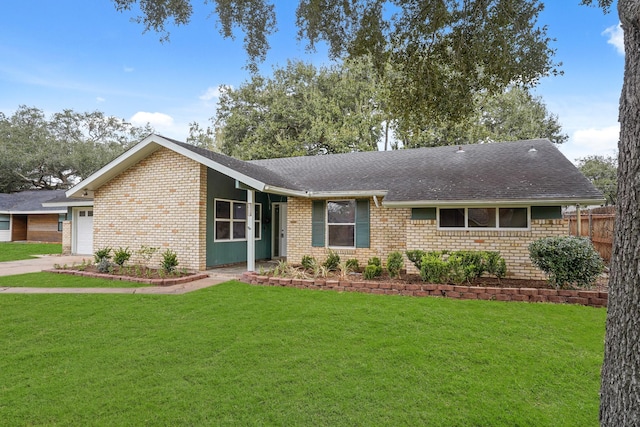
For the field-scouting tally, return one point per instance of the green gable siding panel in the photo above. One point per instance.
(423, 213)
(317, 223)
(362, 223)
(546, 212)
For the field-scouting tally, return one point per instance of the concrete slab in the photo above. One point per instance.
(35, 265)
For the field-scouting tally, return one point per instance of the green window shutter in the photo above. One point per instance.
(546, 212)
(423, 213)
(317, 223)
(362, 223)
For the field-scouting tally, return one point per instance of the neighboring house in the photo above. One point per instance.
(23, 217)
(215, 210)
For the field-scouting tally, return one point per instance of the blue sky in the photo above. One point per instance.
(86, 56)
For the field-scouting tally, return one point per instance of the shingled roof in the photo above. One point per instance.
(520, 172)
(26, 202)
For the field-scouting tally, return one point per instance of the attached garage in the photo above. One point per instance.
(23, 217)
(77, 229)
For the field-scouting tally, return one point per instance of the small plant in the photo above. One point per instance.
(320, 271)
(104, 265)
(104, 253)
(308, 262)
(146, 253)
(415, 257)
(169, 261)
(120, 256)
(395, 263)
(433, 269)
(344, 269)
(332, 261)
(57, 266)
(496, 265)
(373, 269)
(568, 260)
(353, 264)
(283, 269)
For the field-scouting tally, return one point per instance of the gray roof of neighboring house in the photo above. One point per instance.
(507, 171)
(29, 201)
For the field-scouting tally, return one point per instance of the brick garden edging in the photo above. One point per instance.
(588, 298)
(169, 281)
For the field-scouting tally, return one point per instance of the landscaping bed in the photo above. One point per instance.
(152, 276)
(482, 288)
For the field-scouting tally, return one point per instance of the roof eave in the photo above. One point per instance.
(74, 203)
(467, 203)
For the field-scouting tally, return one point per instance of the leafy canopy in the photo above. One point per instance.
(602, 171)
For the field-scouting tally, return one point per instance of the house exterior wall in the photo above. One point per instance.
(393, 229)
(159, 202)
(66, 237)
(43, 228)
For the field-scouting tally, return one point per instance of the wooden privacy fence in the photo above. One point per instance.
(598, 227)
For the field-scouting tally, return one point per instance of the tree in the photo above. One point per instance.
(602, 171)
(301, 110)
(512, 115)
(443, 52)
(41, 153)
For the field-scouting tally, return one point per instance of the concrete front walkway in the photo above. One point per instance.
(35, 265)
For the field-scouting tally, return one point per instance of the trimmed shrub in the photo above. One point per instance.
(308, 262)
(461, 266)
(332, 261)
(104, 253)
(433, 269)
(169, 261)
(415, 257)
(394, 264)
(353, 264)
(373, 268)
(567, 260)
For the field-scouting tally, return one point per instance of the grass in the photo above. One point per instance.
(14, 251)
(55, 280)
(236, 354)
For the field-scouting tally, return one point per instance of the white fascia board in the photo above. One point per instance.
(75, 203)
(356, 193)
(285, 191)
(467, 203)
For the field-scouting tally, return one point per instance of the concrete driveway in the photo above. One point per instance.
(45, 262)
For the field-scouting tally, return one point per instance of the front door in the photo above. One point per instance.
(279, 230)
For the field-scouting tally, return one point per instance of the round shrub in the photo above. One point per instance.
(568, 260)
(394, 264)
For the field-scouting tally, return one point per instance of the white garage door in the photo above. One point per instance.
(84, 231)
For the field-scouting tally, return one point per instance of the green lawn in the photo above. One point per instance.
(55, 280)
(14, 251)
(236, 354)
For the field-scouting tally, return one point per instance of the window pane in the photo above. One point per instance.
(257, 230)
(223, 209)
(341, 235)
(343, 211)
(239, 230)
(513, 218)
(89, 213)
(223, 230)
(482, 217)
(4, 225)
(451, 217)
(82, 213)
(239, 211)
(258, 212)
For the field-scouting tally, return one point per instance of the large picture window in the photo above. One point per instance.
(341, 223)
(5, 221)
(230, 220)
(484, 218)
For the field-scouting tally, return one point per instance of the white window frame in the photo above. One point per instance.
(327, 224)
(257, 220)
(496, 228)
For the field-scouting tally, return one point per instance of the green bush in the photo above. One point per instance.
(568, 260)
(353, 264)
(394, 264)
(374, 261)
(102, 254)
(372, 271)
(332, 261)
(433, 269)
(169, 261)
(308, 262)
(415, 257)
(120, 256)
(496, 265)
(460, 266)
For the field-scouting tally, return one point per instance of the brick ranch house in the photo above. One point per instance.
(23, 217)
(215, 210)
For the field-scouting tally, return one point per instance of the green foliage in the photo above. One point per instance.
(104, 266)
(568, 260)
(353, 264)
(104, 253)
(43, 152)
(395, 263)
(415, 257)
(332, 261)
(300, 110)
(120, 256)
(169, 261)
(373, 268)
(308, 262)
(460, 266)
(602, 171)
(146, 253)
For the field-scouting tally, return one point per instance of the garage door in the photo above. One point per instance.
(84, 232)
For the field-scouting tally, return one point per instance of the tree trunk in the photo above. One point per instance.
(620, 388)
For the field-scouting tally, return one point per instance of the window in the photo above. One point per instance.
(484, 218)
(230, 220)
(341, 223)
(61, 218)
(5, 221)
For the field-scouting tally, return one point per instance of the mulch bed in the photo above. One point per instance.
(152, 276)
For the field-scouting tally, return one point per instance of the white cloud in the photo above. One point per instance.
(158, 121)
(212, 92)
(128, 69)
(592, 141)
(100, 99)
(615, 37)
